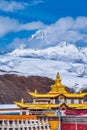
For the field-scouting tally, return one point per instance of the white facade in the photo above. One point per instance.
(24, 125)
(74, 101)
(68, 101)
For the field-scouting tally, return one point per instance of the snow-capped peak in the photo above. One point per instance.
(63, 51)
(40, 34)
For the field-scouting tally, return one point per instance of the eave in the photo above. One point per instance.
(36, 95)
(36, 106)
(53, 95)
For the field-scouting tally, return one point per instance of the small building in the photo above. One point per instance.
(58, 97)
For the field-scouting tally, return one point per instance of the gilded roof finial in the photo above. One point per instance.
(35, 91)
(22, 100)
(80, 90)
(58, 79)
(58, 75)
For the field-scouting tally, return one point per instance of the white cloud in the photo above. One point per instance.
(7, 25)
(65, 29)
(11, 25)
(10, 6)
(32, 26)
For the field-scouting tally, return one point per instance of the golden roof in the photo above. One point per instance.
(48, 95)
(75, 95)
(56, 90)
(49, 106)
(36, 106)
(77, 106)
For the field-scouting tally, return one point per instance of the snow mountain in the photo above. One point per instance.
(62, 52)
(68, 59)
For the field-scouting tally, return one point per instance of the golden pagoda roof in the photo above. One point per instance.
(53, 95)
(36, 106)
(56, 90)
(75, 95)
(48, 95)
(77, 106)
(49, 106)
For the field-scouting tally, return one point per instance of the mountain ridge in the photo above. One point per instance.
(63, 51)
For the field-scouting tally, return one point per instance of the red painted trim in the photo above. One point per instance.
(73, 126)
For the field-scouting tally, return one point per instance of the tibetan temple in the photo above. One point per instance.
(55, 110)
(58, 97)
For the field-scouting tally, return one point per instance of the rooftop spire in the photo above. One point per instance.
(35, 91)
(57, 87)
(58, 79)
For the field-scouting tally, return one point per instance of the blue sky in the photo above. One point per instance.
(19, 19)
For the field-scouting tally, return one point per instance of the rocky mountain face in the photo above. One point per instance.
(13, 87)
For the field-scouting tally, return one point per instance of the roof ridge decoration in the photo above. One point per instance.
(58, 79)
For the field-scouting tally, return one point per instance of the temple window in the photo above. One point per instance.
(68, 101)
(28, 122)
(57, 101)
(72, 101)
(65, 100)
(20, 122)
(80, 101)
(10, 122)
(23, 121)
(24, 113)
(5, 121)
(76, 101)
(15, 121)
(0, 122)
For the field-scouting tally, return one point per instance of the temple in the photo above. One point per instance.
(58, 97)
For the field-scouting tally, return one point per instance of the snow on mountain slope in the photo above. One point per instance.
(63, 51)
(39, 40)
(73, 74)
(65, 58)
